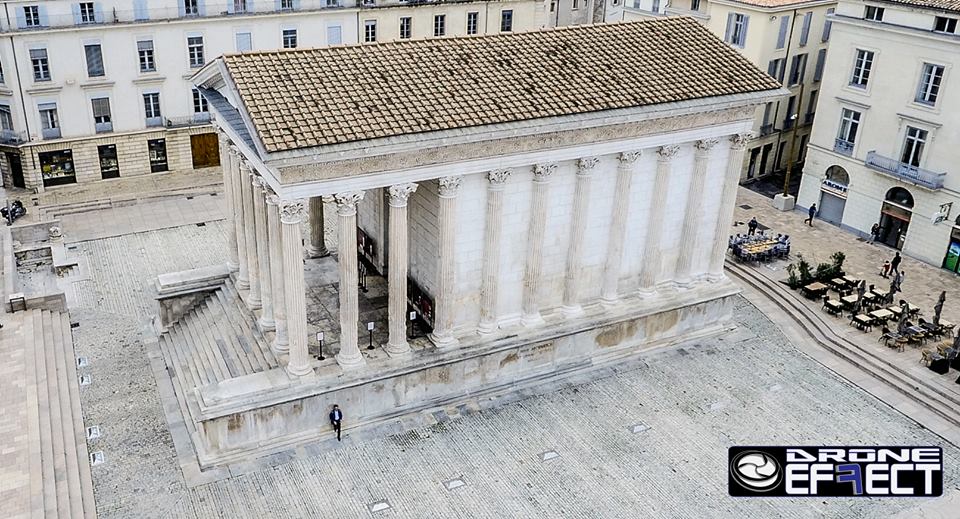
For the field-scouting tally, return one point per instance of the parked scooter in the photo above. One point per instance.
(13, 211)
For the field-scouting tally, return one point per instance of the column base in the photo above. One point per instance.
(242, 284)
(685, 283)
(280, 348)
(609, 303)
(350, 362)
(571, 311)
(487, 327)
(714, 278)
(267, 325)
(397, 350)
(299, 371)
(647, 292)
(444, 342)
(233, 267)
(254, 304)
(313, 252)
(532, 320)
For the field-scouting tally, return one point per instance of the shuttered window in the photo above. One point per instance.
(94, 60)
(784, 28)
(805, 29)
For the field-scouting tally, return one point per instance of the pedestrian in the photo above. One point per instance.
(336, 416)
(885, 270)
(895, 263)
(752, 225)
(810, 214)
(899, 280)
(874, 232)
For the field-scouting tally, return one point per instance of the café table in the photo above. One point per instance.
(882, 315)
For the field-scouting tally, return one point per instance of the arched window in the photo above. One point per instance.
(838, 175)
(900, 196)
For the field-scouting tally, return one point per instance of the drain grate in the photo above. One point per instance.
(202, 224)
(745, 206)
(638, 428)
(189, 198)
(74, 325)
(85, 380)
(82, 362)
(451, 484)
(379, 506)
(93, 432)
(549, 455)
(96, 458)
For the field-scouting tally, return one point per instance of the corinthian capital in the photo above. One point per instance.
(542, 172)
(667, 152)
(292, 212)
(586, 164)
(498, 176)
(347, 202)
(399, 194)
(740, 140)
(259, 182)
(629, 157)
(450, 186)
(272, 198)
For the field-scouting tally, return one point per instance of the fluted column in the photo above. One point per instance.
(239, 225)
(650, 268)
(397, 269)
(534, 261)
(690, 241)
(349, 356)
(317, 248)
(250, 231)
(233, 253)
(291, 215)
(490, 273)
(728, 198)
(442, 335)
(263, 253)
(578, 227)
(280, 344)
(618, 227)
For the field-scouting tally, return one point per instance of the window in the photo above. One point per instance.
(239, 6)
(576, 4)
(827, 25)
(195, 51)
(41, 65)
(405, 27)
(790, 117)
(333, 3)
(849, 124)
(811, 107)
(157, 151)
(6, 118)
(2, 80)
(31, 16)
(334, 35)
(784, 29)
(506, 20)
(805, 28)
(439, 25)
(930, 81)
(861, 68)
(736, 29)
(199, 102)
(151, 109)
(798, 69)
(289, 37)
(49, 122)
(101, 114)
(109, 165)
(821, 59)
(94, 60)
(286, 5)
(370, 31)
(244, 42)
(777, 68)
(472, 22)
(655, 6)
(145, 54)
(140, 10)
(85, 13)
(873, 13)
(553, 5)
(191, 7)
(913, 145)
(56, 167)
(943, 24)
(694, 5)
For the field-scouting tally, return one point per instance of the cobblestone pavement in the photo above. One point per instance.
(750, 386)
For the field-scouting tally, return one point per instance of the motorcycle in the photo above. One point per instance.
(13, 211)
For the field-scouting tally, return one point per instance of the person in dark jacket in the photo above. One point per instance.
(810, 214)
(895, 263)
(752, 225)
(336, 416)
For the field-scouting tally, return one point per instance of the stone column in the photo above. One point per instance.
(239, 225)
(250, 231)
(442, 335)
(263, 253)
(618, 227)
(538, 222)
(291, 215)
(349, 356)
(578, 227)
(650, 268)
(693, 214)
(397, 269)
(233, 259)
(281, 343)
(493, 230)
(317, 247)
(728, 198)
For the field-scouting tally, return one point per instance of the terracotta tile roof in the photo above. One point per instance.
(942, 5)
(314, 97)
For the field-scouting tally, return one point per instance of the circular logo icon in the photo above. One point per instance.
(756, 471)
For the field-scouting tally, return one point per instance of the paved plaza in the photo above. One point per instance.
(749, 386)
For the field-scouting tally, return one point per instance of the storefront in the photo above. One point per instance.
(157, 150)
(56, 167)
(895, 217)
(109, 165)
(951, 261)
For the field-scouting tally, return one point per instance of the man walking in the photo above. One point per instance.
(895, 263)
(899, 280)
(335, 418)
(810, 214)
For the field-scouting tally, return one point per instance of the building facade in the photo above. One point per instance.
(99, 90)
(884, 148)
(561, 13)
(788, 39)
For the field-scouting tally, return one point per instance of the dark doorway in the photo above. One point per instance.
(16, 169)
(205, 149)
(109, 165)
(157, 150)
(752, 167)
(765, 157)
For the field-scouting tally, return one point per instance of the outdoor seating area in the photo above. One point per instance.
(759, 247)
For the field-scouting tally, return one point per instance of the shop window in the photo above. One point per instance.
(56, 167)
(109, 165)
(157, 149)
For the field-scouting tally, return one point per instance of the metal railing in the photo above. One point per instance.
(842, 146)
(12, 137)
(50, 133)
(189, 120)
(766, 129)
(808, 118)
(905, 172)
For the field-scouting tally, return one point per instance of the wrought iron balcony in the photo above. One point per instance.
(12, 137)
(842, 146)
(196, 119)
(766, 129)
(905, 172)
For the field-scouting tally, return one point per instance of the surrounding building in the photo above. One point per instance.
(788, 39)
(888, 133)
(561, 13)
(97, 90)
(531, 239)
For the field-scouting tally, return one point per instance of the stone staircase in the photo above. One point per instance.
(61, 483)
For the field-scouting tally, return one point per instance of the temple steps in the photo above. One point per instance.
(59, 461)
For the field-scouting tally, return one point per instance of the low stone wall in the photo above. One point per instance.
(268, 412)
(178, 292)
(33, 233)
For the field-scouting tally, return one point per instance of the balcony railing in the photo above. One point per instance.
(766, 129)
(189, 120)
(50, 133)
(905, 172)
(842, 146)
(12, 137)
